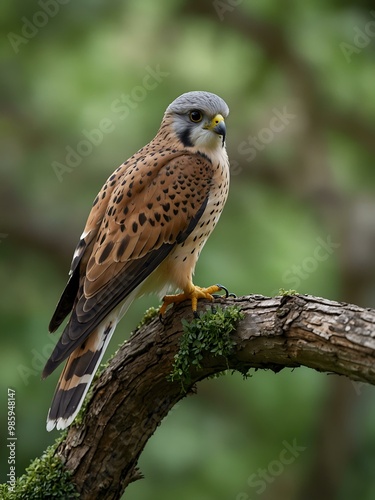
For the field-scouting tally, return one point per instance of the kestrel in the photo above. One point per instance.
(144, 234)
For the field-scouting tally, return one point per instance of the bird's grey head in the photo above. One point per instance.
(198, 119)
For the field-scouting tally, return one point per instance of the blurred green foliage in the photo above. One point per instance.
(300, 214)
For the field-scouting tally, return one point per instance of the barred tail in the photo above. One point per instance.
(77, 375)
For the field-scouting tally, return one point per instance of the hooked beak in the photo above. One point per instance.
(217, 125)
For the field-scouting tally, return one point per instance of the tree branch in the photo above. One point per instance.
(133, 395)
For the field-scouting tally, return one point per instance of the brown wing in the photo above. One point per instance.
(154, 206)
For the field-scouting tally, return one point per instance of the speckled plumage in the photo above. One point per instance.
(144, 234)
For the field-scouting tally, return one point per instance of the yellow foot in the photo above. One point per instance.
(193, 293)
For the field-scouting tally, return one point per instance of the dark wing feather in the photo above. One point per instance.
(66, 301)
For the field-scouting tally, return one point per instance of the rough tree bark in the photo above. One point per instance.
(132, 396)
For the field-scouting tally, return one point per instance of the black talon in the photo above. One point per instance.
(216, 296)
(233, 295)
(161, 319)
(196, 315)
(225, 290)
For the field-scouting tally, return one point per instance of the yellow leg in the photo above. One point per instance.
(193, 293)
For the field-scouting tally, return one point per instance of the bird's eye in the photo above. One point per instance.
(195, 116)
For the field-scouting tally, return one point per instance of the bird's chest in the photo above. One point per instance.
(190, 249)
(177, 269)
(217, 198)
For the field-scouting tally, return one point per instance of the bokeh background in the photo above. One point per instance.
(299, 78)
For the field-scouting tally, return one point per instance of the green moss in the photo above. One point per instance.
(80, 415)
(148, 316)
(45, 478)
(285, 293)
(210, 332)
